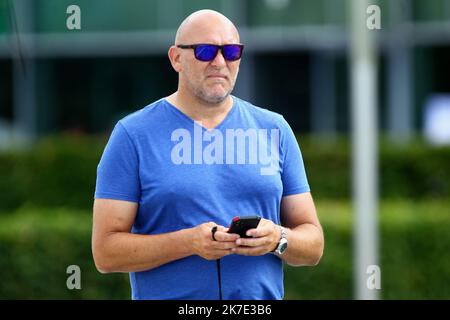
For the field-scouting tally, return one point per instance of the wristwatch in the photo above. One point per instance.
(282, 244)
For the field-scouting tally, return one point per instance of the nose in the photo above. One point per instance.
(219, 60)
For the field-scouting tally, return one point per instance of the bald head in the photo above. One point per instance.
(209, 82)
(206, 26)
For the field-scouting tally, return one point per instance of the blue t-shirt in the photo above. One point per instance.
(182, 175)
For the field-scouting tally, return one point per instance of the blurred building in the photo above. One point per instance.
(295, 62)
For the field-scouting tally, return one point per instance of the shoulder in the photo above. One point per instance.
(143, 119)
(262, 115)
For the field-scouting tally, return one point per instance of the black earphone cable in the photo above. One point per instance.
(219, 279)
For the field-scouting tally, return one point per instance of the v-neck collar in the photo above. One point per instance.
(193, 122)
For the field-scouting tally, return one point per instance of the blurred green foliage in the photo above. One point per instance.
(58, 171)
(46, 195)
(414, 246)
(37, 246)
(414, 171)
(61, 171)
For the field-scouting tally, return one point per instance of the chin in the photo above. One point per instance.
(214, 98)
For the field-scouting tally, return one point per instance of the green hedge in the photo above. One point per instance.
(37, 245)
(61, 171)
(413, 171)
(414, 246)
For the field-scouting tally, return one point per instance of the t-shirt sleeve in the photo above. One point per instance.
(118, 170)
(293, 174)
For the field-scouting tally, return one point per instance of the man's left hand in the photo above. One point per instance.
(264, 239)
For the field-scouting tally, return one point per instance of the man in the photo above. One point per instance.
(175, 173)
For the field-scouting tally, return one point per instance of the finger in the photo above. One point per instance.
(213, 233)
(224, 236)
(210, 224)
(259, 232)
(222, 228)
(252, 242)
(248, 251)
(223, 245)
(214, 228)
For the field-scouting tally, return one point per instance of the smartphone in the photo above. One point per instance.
(241, 224)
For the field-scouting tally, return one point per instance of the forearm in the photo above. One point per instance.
(127, 252)
(305, 245)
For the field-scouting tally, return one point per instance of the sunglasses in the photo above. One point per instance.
(208, 52)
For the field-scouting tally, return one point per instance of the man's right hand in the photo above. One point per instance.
(116, 249)
(206, 247)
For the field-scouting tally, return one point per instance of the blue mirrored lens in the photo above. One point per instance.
(232, 52)
(206, 52)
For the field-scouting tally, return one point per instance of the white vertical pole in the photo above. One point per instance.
(364, 149)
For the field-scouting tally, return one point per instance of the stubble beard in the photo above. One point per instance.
(211, 99)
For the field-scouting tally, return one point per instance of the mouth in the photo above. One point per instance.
(217, 76)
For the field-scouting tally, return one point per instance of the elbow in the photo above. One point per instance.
(310, 260)
(102, 264)
(103, 268)
(315, 260)
(317, 256)
(318, 252)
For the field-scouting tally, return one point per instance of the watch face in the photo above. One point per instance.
(283, 247)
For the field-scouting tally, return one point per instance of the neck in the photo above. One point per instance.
(209, 114)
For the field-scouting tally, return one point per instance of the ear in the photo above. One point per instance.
(175, 58)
